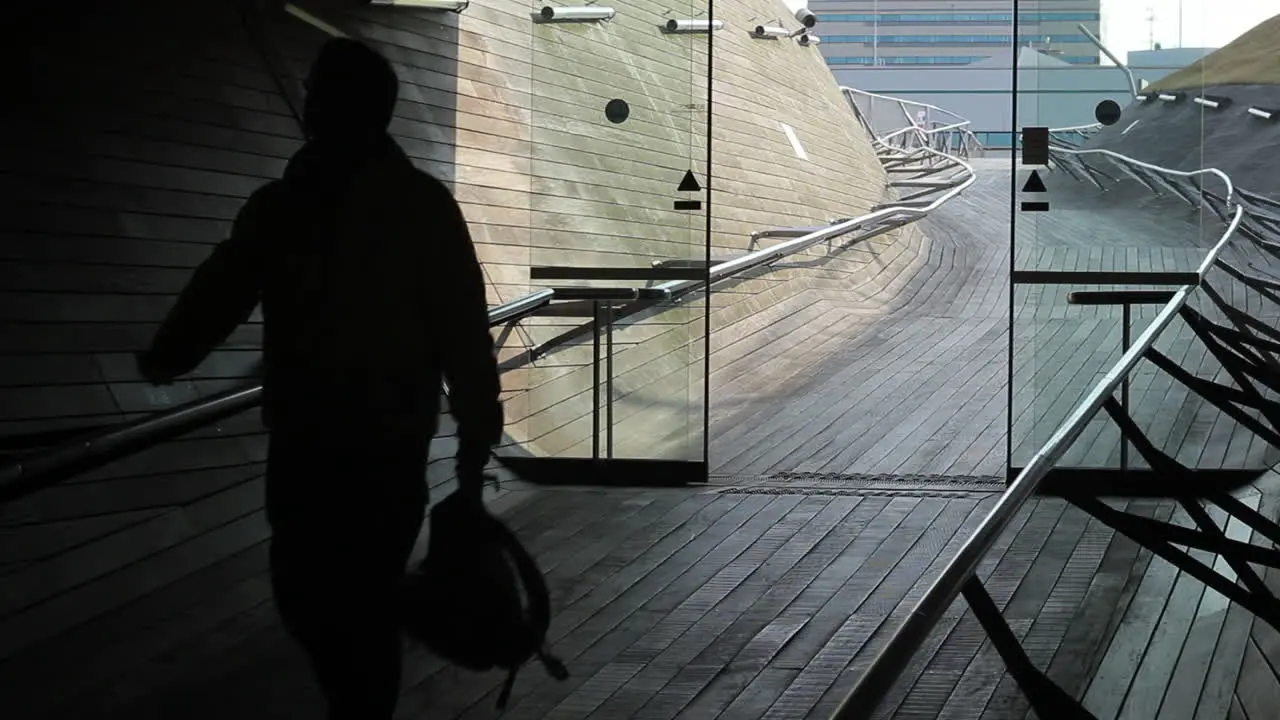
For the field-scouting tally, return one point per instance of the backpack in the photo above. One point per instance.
(478, 599)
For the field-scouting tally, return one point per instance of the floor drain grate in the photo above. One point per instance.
(882, 485)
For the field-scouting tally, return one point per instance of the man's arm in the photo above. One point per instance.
(468, 359)
(220, 296)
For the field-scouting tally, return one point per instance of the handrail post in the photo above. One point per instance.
(608, 383)
(1124, 385)
(595, 380)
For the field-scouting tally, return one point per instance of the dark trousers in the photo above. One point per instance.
(345, 513)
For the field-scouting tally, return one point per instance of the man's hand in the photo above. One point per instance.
(153, 371)
(471, 484)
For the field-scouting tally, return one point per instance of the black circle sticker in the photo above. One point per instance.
(1107, 112)
(617, 110)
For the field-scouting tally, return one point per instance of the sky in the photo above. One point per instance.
(1205, 23)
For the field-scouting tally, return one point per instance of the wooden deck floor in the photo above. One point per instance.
(765, 597)
(746, 602)
(1180, 649)
(916, 384)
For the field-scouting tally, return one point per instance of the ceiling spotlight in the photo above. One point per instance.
(1213, 101)
(454, 5)
(770, 31)
(801, 13)
(692, 26)
(578, 13)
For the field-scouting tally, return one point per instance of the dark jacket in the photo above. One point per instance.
(371, 293)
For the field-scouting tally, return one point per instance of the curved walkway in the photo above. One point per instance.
(906, 375)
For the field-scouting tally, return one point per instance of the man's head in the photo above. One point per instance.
(351, 91)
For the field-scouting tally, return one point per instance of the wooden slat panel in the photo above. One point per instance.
(132, 166)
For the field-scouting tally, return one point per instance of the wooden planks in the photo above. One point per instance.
(131, 166)
(911, 377)
(1181, 650)
(761, 601)
(1254, 647)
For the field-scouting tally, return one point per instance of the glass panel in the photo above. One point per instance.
(618, 118)
(1106, 214)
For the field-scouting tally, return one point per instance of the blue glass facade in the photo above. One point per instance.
(997, 40)
(898, 34)
(936, 59)
(959, 18)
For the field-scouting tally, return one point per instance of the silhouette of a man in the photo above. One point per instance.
(371, 293)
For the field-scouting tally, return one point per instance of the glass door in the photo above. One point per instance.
(617, 224)
(1106, 205)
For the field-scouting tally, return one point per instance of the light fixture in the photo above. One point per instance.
(1143, 97)
(1263, 113)
(770, 31)
(1170, 97)
(801, 13)
(807, 39)
(454, 5)
(573, 13)
(1212, 101)
(692, 26)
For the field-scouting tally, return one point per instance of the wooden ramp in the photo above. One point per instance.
(1257, 692)
(764, 594)
(912, 379)
(735, 602)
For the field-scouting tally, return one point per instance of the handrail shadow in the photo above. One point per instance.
(1245, 347)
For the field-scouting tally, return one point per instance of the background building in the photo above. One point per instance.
(1152, 65)
(960, 56)
(951, 32)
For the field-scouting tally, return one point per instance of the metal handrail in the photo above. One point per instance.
(879, 221)
(961, 126)
(23, 476)
(1077, 128)
(907, 638)
(1124, 159)
(1133, 82)
(767, 255)
(789, 247)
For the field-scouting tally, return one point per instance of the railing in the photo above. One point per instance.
(49, 467)
(1074, 136)
(922, 163)
(907, 124)
(876, 222)
(1249, 338)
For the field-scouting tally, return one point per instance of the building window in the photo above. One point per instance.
(959, 18)
(938, 59)
(944, 39)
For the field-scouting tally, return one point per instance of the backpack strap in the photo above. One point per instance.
(531, 577)
(505, 694)
(539, 601)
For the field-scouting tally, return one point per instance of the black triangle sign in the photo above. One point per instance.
(689, 183)
(1034, 183)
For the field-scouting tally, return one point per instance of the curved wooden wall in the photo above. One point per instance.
(599, 194)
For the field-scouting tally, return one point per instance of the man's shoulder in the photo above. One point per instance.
(424, 181)
(267, 199)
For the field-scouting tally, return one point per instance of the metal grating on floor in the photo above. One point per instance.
(877, 485)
